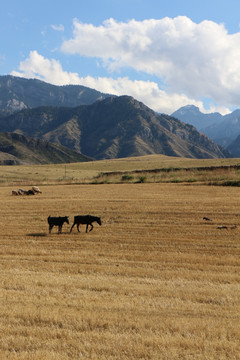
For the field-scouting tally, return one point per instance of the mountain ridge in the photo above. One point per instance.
(18, 93)
(100, 126)
(191, 114)
(222, 129)
(112, 128)
(18, 149)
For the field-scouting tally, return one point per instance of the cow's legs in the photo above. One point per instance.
(72, 226)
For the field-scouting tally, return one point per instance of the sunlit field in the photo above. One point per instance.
(155, 281)
(95, 171)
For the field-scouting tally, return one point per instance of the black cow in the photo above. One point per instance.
(57, 221)
(85, 219)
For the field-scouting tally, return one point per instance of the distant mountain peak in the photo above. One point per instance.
(190, 108)
(17, 93)
(186, 111)
(97, 125)
(116, 127)
(191, 114)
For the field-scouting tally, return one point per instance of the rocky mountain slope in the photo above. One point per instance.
(18, 93)
(112, 128)
(222, 129)
(16, 149)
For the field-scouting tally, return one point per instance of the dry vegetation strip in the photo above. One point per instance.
(214, 175)
(155, 281)
(88, 172)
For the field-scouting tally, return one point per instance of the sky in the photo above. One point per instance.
(164, 53)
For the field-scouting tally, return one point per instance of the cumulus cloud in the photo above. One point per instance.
(147, 92)
(192, 61)
(199, 60)
(36, 66)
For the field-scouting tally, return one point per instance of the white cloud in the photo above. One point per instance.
(192, 61)
(199, 60)
(148, 92)
(36, 66)
(57, 27)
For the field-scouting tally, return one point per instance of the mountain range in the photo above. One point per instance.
(18, 93)
(222, 129)
(100, 126)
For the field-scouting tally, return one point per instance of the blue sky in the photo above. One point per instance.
(165, 53)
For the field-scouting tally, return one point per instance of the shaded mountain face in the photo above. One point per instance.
(18, 93)
(16, 149)
(191, 114)
(112, 128)
(234, 147)
(221, 129)
(225, 132)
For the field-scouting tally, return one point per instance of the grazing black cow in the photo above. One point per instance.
(57, 221)
(206, 218)
(85, 219)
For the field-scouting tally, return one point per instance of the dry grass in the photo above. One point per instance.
(89, 172)
(210, 176)
(155, 281)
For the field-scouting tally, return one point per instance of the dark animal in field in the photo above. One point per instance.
(57, 221)
(206, 218)
(30, 192)
(85, 219)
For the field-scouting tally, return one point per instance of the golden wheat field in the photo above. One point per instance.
(155, 281)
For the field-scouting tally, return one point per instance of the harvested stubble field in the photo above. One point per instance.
(155, 281)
